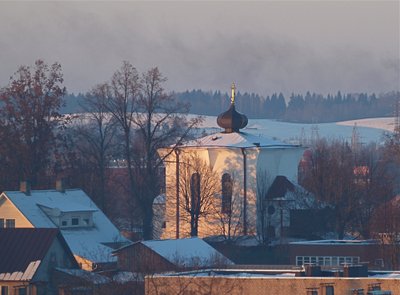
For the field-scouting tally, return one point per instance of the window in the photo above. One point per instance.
(335, 260)
(1, 222)
(374, 287)
(327, 260)
(195, 192)
(75, 221)
(312, 291)
(10, 223)
(299, 260)
(320, 260)
(22, 291)
(64, 223)
(329, 290)
(227, 186)
(4, 290)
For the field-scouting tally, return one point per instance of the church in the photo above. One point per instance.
(217, 185)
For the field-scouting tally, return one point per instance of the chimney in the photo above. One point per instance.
(25, 187)
(60, 185)
(312, 270)
(355, 271)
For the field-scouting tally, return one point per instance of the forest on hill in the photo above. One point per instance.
(308, 108)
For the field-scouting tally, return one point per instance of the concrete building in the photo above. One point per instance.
(273, 282)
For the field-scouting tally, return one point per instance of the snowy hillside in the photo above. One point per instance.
(368, 129)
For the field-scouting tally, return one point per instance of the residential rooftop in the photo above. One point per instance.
(336, 242)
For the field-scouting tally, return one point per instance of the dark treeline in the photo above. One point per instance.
(308, 108)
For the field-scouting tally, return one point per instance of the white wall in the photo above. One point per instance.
(260, 162)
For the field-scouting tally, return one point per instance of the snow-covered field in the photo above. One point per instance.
(368, 129)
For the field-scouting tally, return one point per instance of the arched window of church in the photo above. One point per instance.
(227, 186)
(195, 192)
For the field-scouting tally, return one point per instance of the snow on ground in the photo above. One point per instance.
(369, 129)
(377, 123)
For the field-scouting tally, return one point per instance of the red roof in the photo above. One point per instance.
(21, 248)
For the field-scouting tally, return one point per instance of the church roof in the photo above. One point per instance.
(231, 120)
(236, 140)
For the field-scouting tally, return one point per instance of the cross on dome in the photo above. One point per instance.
(233, 93)
(231, 120)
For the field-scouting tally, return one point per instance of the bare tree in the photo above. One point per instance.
(354, 183)
(122, 95)
(207, 283)
(263, 184)
(231, 209)
(198, 185)
(331, 179)
(160, 121)
(148, 119)
(94, 139)
(29, 117)
(373, 186)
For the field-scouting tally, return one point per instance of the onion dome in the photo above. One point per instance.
(231, 120)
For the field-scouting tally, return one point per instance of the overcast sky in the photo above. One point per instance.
(263, 46)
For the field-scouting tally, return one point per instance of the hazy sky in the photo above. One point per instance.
(263, 46)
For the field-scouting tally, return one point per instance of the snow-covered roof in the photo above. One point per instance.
(88, 276)
(84, 242)
(160, 199)
(64, 206)
(236, 140)
(337, 242)
(187, 252)
(123, 277)
(271, 274)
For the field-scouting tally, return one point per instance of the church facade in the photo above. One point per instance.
(216, 185)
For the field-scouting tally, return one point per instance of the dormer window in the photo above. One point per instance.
(70, 215)
(80, 219)
(75, 221)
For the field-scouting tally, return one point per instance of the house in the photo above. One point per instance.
(88, 232)
(28, 257)
(243, 164)
(169, 255)
(274, 282)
